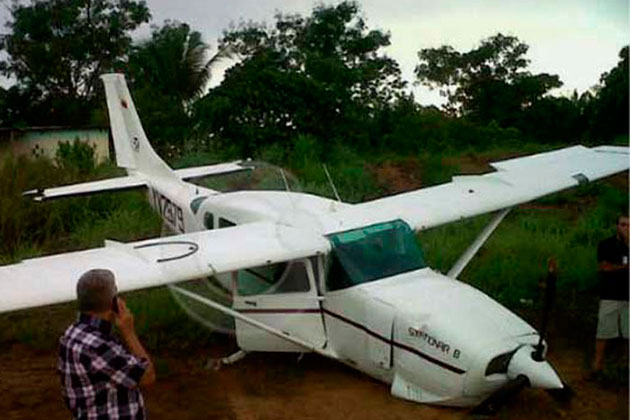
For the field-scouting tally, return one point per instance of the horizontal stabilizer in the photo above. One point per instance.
(219, 169)
(129, 182)
(155, 262)
(113, 184)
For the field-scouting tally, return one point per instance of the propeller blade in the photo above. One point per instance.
(550, 296)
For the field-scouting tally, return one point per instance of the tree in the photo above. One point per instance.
(57, 49)
(168, 73)
(321, 75)
(488, 83)
(174, 62)
(553, 120)
(611, 103)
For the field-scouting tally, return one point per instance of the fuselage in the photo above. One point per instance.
(433, 338)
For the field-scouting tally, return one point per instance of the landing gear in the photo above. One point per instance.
(216, 364)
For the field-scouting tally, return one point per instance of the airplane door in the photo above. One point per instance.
(283, 296)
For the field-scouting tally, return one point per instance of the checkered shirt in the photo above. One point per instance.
(99, 377)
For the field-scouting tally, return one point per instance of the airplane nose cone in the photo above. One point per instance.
(540, 374)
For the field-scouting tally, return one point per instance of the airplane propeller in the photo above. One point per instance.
(548, 300)
(529, 368)
(559, 394)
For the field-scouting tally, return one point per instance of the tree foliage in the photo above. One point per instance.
(174, 62)
(611, 111)
(57, 49)
(319, 83)
(322, 75)
(168, 72)
(490, 82)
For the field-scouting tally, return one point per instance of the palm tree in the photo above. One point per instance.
(174, 62)
(169, 72)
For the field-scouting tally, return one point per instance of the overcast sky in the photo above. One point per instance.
(575, 39)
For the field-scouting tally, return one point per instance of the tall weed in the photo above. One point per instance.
(28, 228)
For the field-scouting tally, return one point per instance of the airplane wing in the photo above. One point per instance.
(155, 262)
(516, 181)
(129, 182)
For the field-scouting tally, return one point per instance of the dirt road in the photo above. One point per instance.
(278, 386)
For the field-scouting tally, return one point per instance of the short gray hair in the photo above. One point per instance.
(95, 290)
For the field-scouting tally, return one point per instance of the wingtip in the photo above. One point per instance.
(36, 194)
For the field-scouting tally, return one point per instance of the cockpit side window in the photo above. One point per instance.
(294, 280)
(291, 277)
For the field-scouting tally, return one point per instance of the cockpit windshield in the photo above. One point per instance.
(371, 253)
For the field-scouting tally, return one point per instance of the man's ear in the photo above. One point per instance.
(110, 316)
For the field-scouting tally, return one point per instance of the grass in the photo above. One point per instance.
(565, 226)
(515, 257)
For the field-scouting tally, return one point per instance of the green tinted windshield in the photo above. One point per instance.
(371, 253)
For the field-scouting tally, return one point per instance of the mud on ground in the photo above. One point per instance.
(278, 386)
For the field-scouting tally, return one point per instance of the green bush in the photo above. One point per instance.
(76, 159)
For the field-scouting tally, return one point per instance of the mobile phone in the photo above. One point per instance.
(115, 304)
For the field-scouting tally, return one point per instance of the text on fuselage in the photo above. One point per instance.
(433, 342)
(168, 210)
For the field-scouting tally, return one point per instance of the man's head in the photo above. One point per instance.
(96, 290)
(622, 227)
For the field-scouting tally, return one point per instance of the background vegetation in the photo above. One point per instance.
(324, 76)
(306, 90)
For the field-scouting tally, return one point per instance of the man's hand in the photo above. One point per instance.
(124, 318)
(124, 322)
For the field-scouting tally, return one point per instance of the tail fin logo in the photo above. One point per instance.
(135, 144)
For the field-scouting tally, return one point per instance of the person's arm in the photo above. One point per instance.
(608, 266)
(125, 323)
(604, 251)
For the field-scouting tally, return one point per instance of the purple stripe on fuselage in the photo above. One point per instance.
(355, 324)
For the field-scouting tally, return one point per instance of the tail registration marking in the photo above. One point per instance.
(169, 211)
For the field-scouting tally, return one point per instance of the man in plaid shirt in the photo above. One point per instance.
(99, 375)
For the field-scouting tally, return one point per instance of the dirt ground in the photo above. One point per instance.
(278, 386)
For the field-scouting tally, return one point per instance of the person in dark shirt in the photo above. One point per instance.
(100, 375)
(612, 256)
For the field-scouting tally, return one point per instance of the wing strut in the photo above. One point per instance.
(465, 258)
(251, 321)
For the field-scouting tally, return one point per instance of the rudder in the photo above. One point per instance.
(133, 150)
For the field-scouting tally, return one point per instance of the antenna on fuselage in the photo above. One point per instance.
(284, 178)
(332, 184)
(286, 186)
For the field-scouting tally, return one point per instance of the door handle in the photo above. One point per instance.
(251, 302)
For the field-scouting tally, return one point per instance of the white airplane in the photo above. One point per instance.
(308, 273)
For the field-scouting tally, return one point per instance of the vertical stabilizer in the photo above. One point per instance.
(133, 150)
